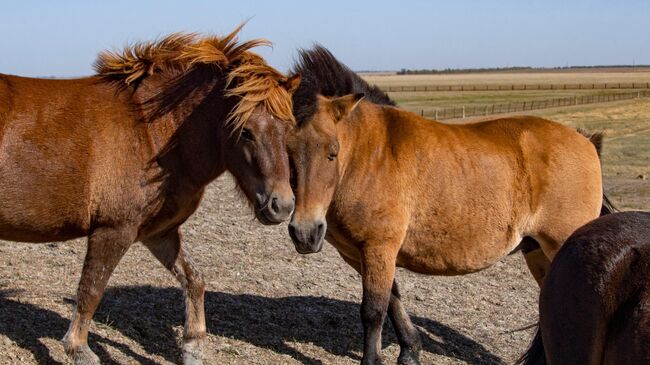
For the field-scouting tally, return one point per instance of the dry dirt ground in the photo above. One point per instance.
(266, 304)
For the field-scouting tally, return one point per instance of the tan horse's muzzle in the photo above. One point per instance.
(308, 237)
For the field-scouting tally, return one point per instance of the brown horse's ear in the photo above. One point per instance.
(291, 84)
(344, 105)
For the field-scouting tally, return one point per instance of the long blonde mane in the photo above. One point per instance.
(248, 76)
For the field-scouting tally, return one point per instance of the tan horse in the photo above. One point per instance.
(388, 188)
(125, 156)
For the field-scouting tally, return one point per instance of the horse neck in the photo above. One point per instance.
(186, 134)
(364, 138)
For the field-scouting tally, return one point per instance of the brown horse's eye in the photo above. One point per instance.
(247, 135)
(292, 175)
(332, 156)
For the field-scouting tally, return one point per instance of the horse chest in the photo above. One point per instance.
(173, 211)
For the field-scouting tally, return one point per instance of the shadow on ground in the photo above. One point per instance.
(146, 315)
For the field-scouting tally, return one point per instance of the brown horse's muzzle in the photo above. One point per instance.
(308, 237)
(275, 209)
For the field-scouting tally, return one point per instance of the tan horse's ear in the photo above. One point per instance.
(291, 84)
(344, 105)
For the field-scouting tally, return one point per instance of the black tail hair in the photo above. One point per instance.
(535, 354)
(597, 140)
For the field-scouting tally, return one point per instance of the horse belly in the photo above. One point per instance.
(41, 200)
(439, 253)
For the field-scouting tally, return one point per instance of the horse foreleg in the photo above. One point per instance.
(407, 335)
(169, 252)
(378, 273)
(106, 246)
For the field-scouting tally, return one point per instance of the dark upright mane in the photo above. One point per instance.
(321, 73)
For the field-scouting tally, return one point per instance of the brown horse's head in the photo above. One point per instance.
(214, 79)
(255, 153)
(314, 152)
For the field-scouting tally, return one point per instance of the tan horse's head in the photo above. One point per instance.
(313, 151)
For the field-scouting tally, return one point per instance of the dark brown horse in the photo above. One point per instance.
(594, 306)
(388, 188)
(124, 156)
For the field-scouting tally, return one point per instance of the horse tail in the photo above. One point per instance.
(597, 140)
(535, 354)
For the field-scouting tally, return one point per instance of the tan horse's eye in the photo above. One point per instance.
(333, 151)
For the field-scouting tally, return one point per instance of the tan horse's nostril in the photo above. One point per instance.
(320, 229)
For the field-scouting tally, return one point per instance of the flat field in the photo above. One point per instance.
(507, 78)
(428, 101)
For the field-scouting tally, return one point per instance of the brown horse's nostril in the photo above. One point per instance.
(274, 206)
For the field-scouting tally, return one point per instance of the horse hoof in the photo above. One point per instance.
(407, 357)
(83, 355)
(377, 361)
(192, 353)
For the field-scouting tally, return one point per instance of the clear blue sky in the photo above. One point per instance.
(62, 37)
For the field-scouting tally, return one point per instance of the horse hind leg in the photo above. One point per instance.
(167, 249)
(540, 248)
(407, 335)
(106, 246)
(536, 260)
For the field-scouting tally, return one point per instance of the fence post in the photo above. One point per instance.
(422, 112)
(436, 114)
(463, 111)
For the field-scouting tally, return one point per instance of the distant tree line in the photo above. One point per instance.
(405, 71)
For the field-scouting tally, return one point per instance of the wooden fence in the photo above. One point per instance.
(481, 110)
(486, 87)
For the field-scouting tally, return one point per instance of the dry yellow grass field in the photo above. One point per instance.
(505, 78)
